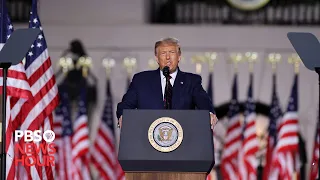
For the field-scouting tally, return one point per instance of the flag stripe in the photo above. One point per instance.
(103, 154)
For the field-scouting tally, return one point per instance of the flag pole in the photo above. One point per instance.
(4, 98)
(5, 67)
(235, 59)
(199, 60)
(130, 63)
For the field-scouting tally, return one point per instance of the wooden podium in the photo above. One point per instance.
(166, 145)
(165, 175)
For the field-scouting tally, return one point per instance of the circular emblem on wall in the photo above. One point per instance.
(248, 4)
(165, 134)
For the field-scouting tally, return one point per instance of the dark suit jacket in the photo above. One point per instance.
(145, 92)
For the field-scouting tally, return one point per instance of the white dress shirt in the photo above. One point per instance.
(163, 80)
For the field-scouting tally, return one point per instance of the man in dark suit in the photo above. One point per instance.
(174, 90)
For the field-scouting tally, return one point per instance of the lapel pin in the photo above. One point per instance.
(181, 82)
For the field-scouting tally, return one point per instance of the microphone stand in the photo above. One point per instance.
(5, 67)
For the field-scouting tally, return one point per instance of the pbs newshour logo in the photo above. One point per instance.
(35, 136)
(30, 149)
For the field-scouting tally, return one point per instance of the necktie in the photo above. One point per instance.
(168, 94)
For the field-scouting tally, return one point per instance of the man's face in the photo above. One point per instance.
(168, 55)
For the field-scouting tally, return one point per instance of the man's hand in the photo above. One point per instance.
(120, 122)
(213, 120)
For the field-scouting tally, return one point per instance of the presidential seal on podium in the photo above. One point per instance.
(248, 5)
(165, 134)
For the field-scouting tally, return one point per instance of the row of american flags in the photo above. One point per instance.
(241, 144)
(75, 153)
(31, 98)
(34, 102)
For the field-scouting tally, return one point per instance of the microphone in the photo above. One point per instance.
(165, 71)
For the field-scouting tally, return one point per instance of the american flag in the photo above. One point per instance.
(210, 94)
(210, 89)
(104, 156)
(275, 115)
(285, 163)
(80, 140)
(17, 84)
(58, 131)
(65, 162)
(17, 88)
(57, 126)
(37, 113)
(248, 162)
(229, 160)
(215, 172)
(314, 167)
(128, 81)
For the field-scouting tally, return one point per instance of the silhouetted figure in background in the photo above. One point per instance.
(74, 79)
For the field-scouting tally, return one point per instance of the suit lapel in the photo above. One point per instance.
(177, 89)
(157, 88)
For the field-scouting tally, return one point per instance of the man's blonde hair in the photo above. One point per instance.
(168, 40)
